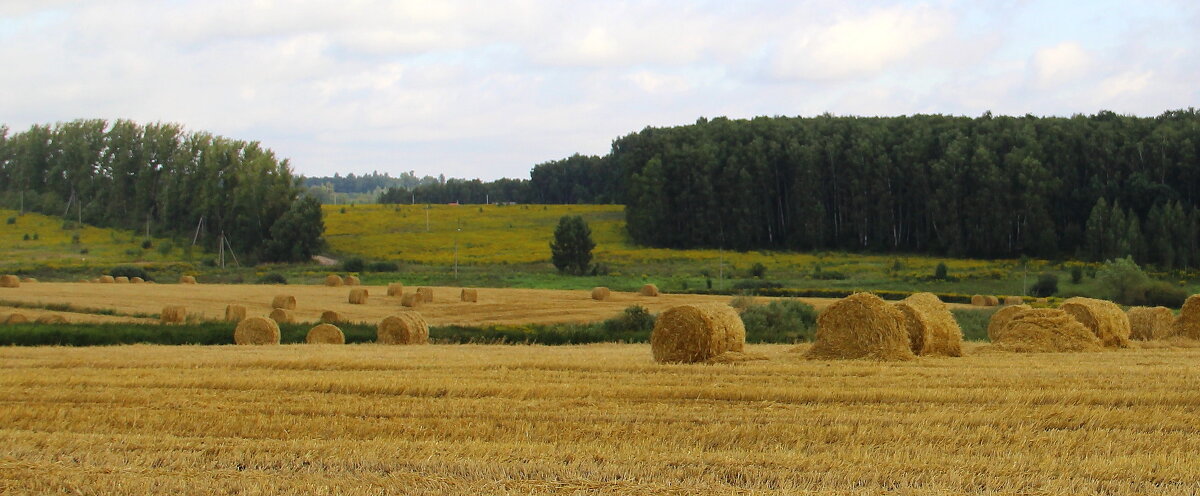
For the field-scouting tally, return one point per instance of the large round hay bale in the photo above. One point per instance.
(286, 302)
(861, 325)
(173, 314)
(10, 281)
(1147, 323)
(411, 300)
(107, 280)
(136, 280)
(235, 313)
(932, 329)
(403, 328)
(352, 281)
(696, 333)
(121, 280)
(1001, 318)
(1045, 330)
(334, 281)
(29, 280)
(469, 295)
(648, 290)
(426, 294)
(331, 317)
(187, 280)
(1188, 323)
(256, 330)
(1104, 318)
(325, 334)
(51, 318)
(1014, 300)
(282, 316)
(979, 301)
(601, 293)
(15, 318)
(358, 296)
(395, 289)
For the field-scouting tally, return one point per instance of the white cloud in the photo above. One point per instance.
(1061, 63)
(1124, 85)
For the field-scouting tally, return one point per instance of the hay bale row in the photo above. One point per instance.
(426, 294)
(325, 334)
(861, 325)
(331, 317)
(235, 313)
(173, 314)
(358, 296)
(10, 281)
(187, 280)
(1104, 318)
(286, 302)
(1014, 300)
(601, 293)
(696, 333)
(1045, 330)
(932, 329)
(333, 281)
(136, 280)
(1188, 323)
(984, 301)
(121, 280)
(14, 318)
(282, 316)
(403, 328)
(411, 300)
(469, 295)
(352, 281)
(395, 289)
(1001, 318)
(51, 319)
(648, 290)
(256, 330)
(1147, 323)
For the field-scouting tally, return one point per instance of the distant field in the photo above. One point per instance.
(54, 246)
(595, 419)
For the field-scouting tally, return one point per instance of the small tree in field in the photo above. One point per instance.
(571, 250)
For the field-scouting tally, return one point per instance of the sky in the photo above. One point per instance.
(489, 89)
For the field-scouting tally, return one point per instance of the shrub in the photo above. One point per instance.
(1122, 281)
(756, 285)
(353, 264)
(758, 270)
(780, 321)
(26, 238)
(1159, 293)
(75, 239)
(146, 244)
(130, 271)
(634, 319)
(1076, 274)
(1046, 285)
(12, 220)
(272, 278)
(165, 248)
(383, 267)
(741, 303)
(35, 236)
(940, 272)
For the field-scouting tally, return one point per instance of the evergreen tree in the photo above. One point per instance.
(571, 250)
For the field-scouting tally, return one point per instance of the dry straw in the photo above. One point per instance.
(352, 281)
(696, 333)
(469, 295)
(51, 319)
(107, 280)
(979, 301)
(325, 334)
(1104, 318)
(426, 294)
(1014, 300)
(1148, 323)
(992, 300)
(235, 313)
(136, 280)
(256, 330)
(30, 280)
(403, 328)
(358, 296)
(15, 318)
(932, 329)
(395, 289)
(1001, 318)
(286, 302)
(601, 293)
(1188, 323)
(411, 300)
(861, 325)
(282, 316)
(331, 317)
(1045, 330)
(10, 281)
(187, 280)
(648, 290)
(122, 280)
(333, 281)
(173, 314)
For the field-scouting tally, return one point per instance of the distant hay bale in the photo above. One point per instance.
(282, 316)
(403, 328)
(256, 330)
(15, 318)
(136, 280)
(107, 279)
(29, 280)
(10, 281)
(412, 300)
(601, 293)
(235, 313)
(1014, 300)
(1187, 325)
(325, 334)
(331, 317)
(992, 300)
(187, 280)
(861, 325)
(51, 319)
(121, 280)
(696, 333)
(426, 294)
(1104, 318)
(1045, 330)
(286, 302)
(395, 289)
(352, 281)
(469, 295)
(358, 296)
(1043, 301)
(1147, 323)
(1001, 318)
(979, 301)
(648, 290)
(173, 314)
(932, 329)
(333, 281)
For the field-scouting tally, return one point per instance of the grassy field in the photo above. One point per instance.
(600, 419)
(52, 243)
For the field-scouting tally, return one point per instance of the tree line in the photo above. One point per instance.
(574, 180)
(159, 179)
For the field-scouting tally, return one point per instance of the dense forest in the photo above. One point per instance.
(159, 179)
(573, 180)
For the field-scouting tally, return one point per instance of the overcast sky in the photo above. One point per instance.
(490, 88)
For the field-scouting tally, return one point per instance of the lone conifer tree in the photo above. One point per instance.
(571, 250)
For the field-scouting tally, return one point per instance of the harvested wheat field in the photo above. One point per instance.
(600, 419)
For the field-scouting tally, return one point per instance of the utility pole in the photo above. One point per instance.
(456, 232)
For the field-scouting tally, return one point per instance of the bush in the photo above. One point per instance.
(146, 244)
(383, 267)
(741, 303)
(634, 319)
(1076, 274)
(165, 248)
(1159, 293)
(272, 278)
(353, 264)
(1046, 286)
(26, 238)
(12, 220)
(75, 239)
(130, 271)
(1123, 281)
(780, 321)
(758, 270)
(756, 285)
(940, 272)
(974, 323)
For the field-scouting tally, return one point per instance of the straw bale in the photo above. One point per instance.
(601, 293)
(256, 330)
(979, 301)
(107, 280)
(411, 300)
(861, 325)
(1187, 325)
(1001, 318)
(1014, 300)
(286, 302)
(403, 328)
(1104, 318)
(469, 295)
(992, 300)
(187, 280)
(10, 281)
(331, 317)
(325, 334)
(358, 296)
(282, 316)
(395, 289)
(51, 319)
(696, 333)
(333, 281)
(1146, 323)
(351, 281)
(15, 318)
(649, 290)
(136, 280)
(235, 313)
(173, 314)
(426, 294)
(1043, 301)
(121, 280)
(1045, 330)
(932, 329)
(29, 280)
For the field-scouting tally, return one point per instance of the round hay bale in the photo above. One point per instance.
(992, 300)
(331, 317)
(286, 302)
(325, 334)
(426, 294)
(173, 314)
(932, 329)
(1043, 301)
(352, 281)
(403, 328)
(1014, 300)
(469, 295)
(136, 280)
(1188, 323)
(30, 280)
(10, 281)
(95, 281)
(1147, 323)
(979, 301)
(696, 333)
(282, 316)
(256, 330)
(861, 325)
(107, 280)
(1104, 318)
(333, 281)
(187, 280)
(121, 280)
(1045, 330)
(1001, 318)
(395, 289)
(601, 293)
(648, 290)
(16, 318)
(235, 313)
(51, 319)
(411, 300)
(358, 296)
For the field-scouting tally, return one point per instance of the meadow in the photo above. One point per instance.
(42, 242)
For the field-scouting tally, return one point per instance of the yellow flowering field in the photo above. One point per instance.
(50, 245)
